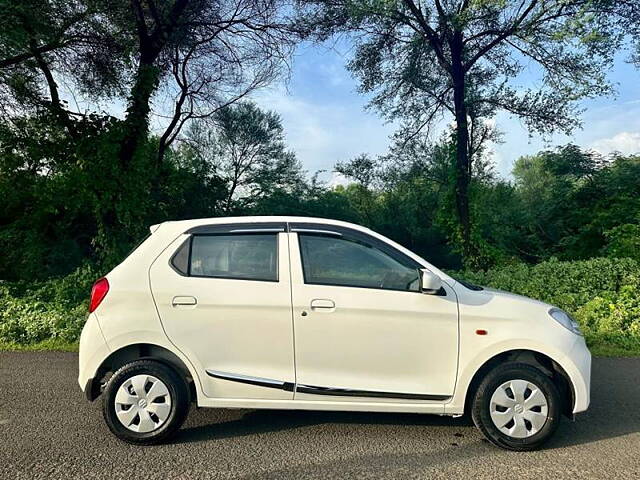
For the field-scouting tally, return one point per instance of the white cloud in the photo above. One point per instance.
(325, 131)
(502, 165)
(338, 179)
(624, 142)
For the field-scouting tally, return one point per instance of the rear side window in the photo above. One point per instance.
(180, 259)
(235, 256)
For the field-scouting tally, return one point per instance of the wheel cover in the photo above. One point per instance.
(518, 408)
(143, 403)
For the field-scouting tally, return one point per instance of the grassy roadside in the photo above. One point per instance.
(50, 345)
(613, 348)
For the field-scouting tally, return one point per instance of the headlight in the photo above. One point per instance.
(564, 319)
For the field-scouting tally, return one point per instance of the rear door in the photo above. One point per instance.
(224, 299)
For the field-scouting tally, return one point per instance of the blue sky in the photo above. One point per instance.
(325, 118)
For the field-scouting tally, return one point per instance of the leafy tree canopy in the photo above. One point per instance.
(426, 61)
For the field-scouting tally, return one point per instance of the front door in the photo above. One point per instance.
(224, 299)
(363, 328)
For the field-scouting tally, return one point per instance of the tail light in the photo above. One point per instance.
(98, 292)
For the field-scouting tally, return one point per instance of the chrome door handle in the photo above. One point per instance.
(184, 301)
(322, 304)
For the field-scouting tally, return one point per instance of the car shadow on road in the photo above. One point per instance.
(614, 412)
(254, 422)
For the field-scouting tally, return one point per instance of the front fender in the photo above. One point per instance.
(575, 360)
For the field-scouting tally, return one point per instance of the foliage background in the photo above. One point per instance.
(564, 230)
(79, 188)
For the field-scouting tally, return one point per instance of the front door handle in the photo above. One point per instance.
(322, 304)
(184, 301)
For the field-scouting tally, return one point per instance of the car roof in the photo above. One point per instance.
(186, 224)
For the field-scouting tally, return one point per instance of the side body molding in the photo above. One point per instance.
(258, 381)
(316, 390)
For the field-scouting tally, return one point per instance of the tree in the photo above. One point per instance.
(573, 201)
(45, 41)
(403, 194)
(246, 148)
(425, 60)
(216, 52)
(628, 14)
(174, 60)
(201, 54)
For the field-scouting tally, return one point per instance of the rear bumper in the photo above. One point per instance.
(92, 352)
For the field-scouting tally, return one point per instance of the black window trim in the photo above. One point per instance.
(328, 233)
(238, 227)
(356, 237)
(227, 230)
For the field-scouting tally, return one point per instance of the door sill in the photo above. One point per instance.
(326, 405)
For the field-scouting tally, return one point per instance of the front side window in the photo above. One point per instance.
(328, 260)
(247, 257)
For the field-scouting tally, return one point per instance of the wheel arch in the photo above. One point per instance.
(139, 351)
(531, 357)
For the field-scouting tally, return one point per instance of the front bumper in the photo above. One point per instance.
(92, 389)
(579, 370)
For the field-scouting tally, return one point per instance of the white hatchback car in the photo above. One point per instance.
(315, 314)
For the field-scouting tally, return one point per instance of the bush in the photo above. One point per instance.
(623, 241)
(601, 293)
(54, 309)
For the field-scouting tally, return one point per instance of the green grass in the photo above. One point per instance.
(613, 346)
(612, 350)
(51, 345)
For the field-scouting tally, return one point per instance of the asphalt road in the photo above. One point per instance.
(48, 430)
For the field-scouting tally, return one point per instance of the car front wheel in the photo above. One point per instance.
(145, 402)
(517, 407)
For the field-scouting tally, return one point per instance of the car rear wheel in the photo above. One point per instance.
(145, 402)
(517, 407)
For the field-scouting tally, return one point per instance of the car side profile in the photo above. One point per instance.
(316, 314)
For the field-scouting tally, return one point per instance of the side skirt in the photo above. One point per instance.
(329, 404)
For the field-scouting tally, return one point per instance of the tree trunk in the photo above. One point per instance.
(462, 176)
(136, 123)
(173, 128)
(55, 105)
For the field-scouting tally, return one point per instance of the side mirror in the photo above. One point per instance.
(429, 281)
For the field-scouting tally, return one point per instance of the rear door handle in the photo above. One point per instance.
(184, 301)
(322, 304)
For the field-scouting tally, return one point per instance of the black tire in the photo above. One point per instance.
(179, 402)
(481, 414)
